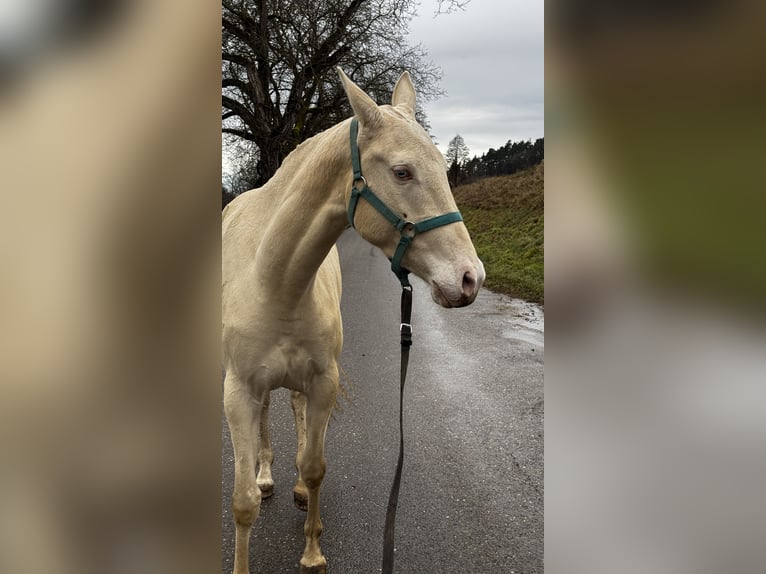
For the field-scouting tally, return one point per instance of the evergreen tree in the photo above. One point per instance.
(510, 158)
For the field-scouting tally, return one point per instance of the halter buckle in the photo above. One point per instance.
(405, 330)
(408, 229)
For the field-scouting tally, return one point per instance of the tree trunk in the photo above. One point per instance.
(269, 161)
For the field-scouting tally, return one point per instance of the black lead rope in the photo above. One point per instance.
(405, 330)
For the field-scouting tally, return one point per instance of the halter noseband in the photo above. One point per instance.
(407, 229)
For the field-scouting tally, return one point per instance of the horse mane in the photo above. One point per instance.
(318, 150)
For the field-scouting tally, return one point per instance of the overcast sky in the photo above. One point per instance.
(491, 56)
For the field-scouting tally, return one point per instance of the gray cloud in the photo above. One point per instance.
(492, 56)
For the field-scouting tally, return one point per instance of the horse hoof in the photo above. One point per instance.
(301, 503)
(316, 569)
(267, 489)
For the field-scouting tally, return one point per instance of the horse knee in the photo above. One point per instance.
(245, 506)
(312, 472)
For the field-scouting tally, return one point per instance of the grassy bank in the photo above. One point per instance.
(505, 218)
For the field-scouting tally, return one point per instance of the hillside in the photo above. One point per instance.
(505, 216)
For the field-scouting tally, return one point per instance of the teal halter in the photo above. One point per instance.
(407, 229)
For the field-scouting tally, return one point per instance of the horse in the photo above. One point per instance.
(281, 283)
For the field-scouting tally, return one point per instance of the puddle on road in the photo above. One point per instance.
(524, 321)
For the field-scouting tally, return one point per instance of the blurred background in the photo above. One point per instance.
(110, 251)
(109, 212)
(654, 277)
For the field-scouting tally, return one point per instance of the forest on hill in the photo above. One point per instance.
(508, 159)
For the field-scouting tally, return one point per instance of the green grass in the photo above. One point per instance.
(505, 217)
(686, 179)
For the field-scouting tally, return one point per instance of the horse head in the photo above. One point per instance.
(409, 175)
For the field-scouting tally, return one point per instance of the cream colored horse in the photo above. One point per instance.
(282, 287)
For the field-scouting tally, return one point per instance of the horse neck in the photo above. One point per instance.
(310, 212)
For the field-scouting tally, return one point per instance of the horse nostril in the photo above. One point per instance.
(469, 284)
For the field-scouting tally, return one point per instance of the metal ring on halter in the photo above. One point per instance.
(362, 178)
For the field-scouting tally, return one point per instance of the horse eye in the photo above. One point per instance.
(402, 172)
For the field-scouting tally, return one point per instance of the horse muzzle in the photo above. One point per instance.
(461, 290)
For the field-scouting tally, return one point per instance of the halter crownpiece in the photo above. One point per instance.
(407, 229)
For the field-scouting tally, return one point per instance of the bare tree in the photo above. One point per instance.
(279, 86)
(457, 157)
(457, 151)
(448, 6)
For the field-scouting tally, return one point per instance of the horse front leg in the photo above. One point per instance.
(264, 478)
(243, 416)
(320, 400)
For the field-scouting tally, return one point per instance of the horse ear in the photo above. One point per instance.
(404, 94)
(365, 109)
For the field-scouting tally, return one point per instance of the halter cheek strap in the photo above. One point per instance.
(407, 229)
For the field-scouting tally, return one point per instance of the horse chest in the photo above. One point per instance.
(294, 353)
(294, 364)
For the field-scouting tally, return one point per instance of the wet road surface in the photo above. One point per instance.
(471, 499)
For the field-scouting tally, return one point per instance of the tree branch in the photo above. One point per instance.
(245, 135)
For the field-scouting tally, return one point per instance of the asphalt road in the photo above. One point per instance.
(471, 499)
